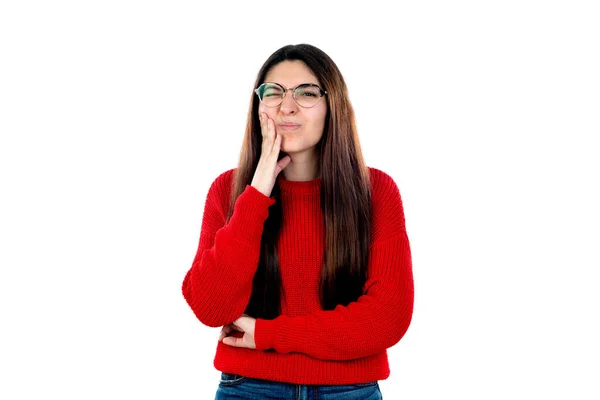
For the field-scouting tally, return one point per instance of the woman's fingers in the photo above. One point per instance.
(263, 125)
(281, 164)
(270, 131)
(226, 330)
(234, 341)
(276, 139)
(267, 126)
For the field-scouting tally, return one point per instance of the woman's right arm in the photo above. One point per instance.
(219, 284)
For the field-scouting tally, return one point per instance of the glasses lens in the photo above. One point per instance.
(271, 94)
(307, 95)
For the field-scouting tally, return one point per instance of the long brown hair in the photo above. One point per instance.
(345, 193)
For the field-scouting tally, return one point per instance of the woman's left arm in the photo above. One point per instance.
(373, 323)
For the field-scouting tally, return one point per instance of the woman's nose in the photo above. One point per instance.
(289, 105)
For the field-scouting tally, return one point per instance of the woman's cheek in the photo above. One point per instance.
(271, 112)
(263, 109)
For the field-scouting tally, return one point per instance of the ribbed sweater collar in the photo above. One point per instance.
(299, 188)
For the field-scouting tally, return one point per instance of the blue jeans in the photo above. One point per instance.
(242, 388)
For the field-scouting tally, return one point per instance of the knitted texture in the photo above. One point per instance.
(306, 344)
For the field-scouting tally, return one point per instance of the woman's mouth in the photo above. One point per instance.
(289, 127)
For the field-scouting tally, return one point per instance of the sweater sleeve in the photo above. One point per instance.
(373, 323)
(218, 285)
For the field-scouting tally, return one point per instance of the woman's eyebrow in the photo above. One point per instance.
(303, 83)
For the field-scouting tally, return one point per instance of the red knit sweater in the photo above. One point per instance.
(311, 346)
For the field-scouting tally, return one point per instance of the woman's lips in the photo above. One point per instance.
(289, 127)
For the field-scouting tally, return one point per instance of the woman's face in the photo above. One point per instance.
(303, 137)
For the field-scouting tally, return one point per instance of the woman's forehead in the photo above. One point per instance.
(291, 74)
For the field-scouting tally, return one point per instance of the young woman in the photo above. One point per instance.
(303, 257)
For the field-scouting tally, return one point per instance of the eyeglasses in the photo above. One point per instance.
(306, 95)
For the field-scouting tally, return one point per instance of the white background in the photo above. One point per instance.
(115, 117)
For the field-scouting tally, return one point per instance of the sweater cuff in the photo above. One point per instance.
(251, 210)
(265, 333)
(284, 334)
